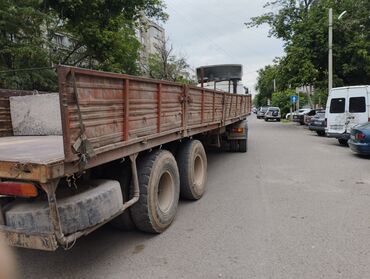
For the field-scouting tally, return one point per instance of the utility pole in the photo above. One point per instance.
(330, 66)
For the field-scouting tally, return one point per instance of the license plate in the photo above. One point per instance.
(317, 122)
(336, 127)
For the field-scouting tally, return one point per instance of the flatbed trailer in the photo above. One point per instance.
(107, 117)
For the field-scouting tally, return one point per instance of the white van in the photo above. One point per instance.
(346, 107)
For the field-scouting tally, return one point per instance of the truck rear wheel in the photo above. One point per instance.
(192, 162)
(243, 145)
(234, 146)
(159, 184)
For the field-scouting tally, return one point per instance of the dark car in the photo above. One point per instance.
(360, 139)
(261, 112)
(308, 116)
(299, 117)
(318, 123)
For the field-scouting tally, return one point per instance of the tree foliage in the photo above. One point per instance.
(106, 29)
(22, 45)
(102, 35)
(303, 26)
(166, 65)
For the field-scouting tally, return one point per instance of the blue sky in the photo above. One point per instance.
(213, 32)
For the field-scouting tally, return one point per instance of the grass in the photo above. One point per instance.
(285, 121)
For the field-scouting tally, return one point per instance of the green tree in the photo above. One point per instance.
(102, 33)
(303, 26)
(166, 65)
(22, 45)
(282, 100)
(105, 30)
(265, 84)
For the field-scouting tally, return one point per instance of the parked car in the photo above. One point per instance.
(359, 141)
(308, 116)
(254, 110)
(318, 123)
(273, 113)
(346, 107)
(299, 116)
(287, 116)
(261, 112)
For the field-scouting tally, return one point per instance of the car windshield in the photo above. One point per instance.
(263, 109)
(320, 115)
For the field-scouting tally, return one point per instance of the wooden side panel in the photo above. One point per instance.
(101, 106)
(218, 107)
(5, 119)
(195, 106)
(208, 107)
(120, 110)
(171, 109)
(143, 109)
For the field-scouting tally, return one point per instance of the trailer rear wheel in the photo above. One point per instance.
(192, 162)
(159, 184)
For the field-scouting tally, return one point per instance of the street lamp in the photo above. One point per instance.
(330, 66)
(342, 14)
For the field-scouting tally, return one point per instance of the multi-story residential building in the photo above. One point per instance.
(152, 37)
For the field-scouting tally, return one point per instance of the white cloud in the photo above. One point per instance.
(213, 32)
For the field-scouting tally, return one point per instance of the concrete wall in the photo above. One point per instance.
(36, 115)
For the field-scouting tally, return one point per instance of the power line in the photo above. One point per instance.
(27, 70)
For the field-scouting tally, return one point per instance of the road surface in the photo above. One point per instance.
(295, 206)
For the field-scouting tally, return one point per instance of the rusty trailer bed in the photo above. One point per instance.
(119, 115)
(32, 149)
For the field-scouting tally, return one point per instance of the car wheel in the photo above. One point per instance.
(320, 133)
(343, 142)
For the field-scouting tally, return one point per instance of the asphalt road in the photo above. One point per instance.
(295, 206)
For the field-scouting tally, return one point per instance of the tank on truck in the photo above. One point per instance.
(231, 73)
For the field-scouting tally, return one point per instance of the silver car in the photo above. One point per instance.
(273, 113)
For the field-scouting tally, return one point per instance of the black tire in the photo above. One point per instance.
(234, 146)
(192, 161)
(243, 145)
(159, 184)
(122, 173)
(343, 142)
(320, 133)
(266, 119)
(278, 120)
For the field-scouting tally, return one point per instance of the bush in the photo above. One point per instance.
(282, 100)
